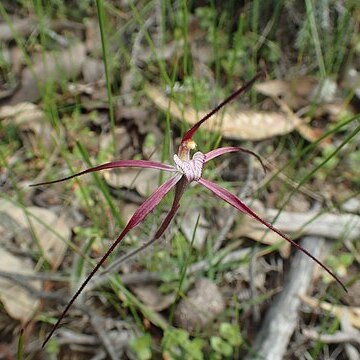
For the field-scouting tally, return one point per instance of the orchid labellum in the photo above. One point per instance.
(186, 170)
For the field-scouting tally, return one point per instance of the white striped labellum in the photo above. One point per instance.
(193, 168)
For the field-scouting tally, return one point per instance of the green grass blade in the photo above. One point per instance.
(101, 18)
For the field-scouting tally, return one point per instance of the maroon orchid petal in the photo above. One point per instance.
(117, 164)
(164, 225)
(229, 149)
(238, 204)
(179, 190)
(189, 134)
(142, 211)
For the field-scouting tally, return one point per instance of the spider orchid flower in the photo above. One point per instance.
(186, 169)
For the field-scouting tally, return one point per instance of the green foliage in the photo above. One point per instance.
(354, 161)
(329, 165)
(323, 36)
(339, 263)
(231, 333)
(177, 345)
(141, 346)
(221, 347)
(20, 347)
(53, 348)
(224, 345)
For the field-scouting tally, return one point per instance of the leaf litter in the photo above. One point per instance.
(238, 124)
(233, 124)
(51, 231)
(32, 123)
(18, 302)
(52, 66)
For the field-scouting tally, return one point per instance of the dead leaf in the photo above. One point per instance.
(53, 66)
(29, 117)
(18, 110)
(144, 181)
(250, 228)
(353, 313)
(26, 115)
(271, 88)
(295, 92)
(306, 131)
(152, 297)
(20, 27)
(51, 230)
(328, 225)
(17, 301)
(239, 125)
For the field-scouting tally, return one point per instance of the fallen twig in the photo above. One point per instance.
(337, 338)
(281, 318)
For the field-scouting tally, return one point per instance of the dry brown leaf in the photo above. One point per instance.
(52, 66)
(306, 131)
(152, 297)
(144, 181)
(295, 93)
(17, 301)
(20, 27)
(251, 229)
(272, 88)
(26, 115)
(20, 110)
(240, 125)
(353, 313)
(51, 230)
(29, 117)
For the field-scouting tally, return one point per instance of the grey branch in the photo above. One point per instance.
(282, 317)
